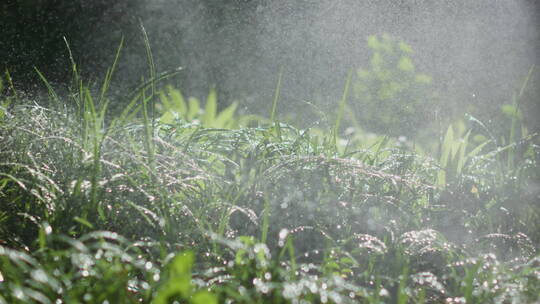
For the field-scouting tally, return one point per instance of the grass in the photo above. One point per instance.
(194, 207)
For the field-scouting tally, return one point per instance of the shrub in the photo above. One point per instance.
(390, 96)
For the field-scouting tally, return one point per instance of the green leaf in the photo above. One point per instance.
(422, 78)
(376, 61)
(461, 154)
(511, 111)
(477, 150)
(83, 221)
(225, 118)
(181, 271)
(203, 297)
(405, 48)
(178, 282)
(405, 64)
(373, 42)
(168, 117)
(178, 103)
(210, 109)
(446, 148)
(387, 43)
(194, 108)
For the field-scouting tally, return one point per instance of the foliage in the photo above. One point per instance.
(391, 97)
(98, 267)
(454, 154)
(193, 207)
(174, 107)
(178, 283)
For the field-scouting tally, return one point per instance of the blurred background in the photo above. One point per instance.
(460, 56)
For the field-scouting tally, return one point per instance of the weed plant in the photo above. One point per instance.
(184, 203)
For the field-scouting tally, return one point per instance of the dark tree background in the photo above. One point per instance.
(188, 33)
(33, 34)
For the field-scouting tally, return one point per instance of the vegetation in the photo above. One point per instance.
(172, 201)
(390, 96)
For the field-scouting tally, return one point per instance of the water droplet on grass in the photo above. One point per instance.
(384, 292)
(148, 265)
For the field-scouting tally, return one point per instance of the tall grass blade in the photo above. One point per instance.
(276, 96)
(152, 68)
(342, 105)
(110, 71)
(462, 159)
(277, 93)
(516, 101)
(403, 298)
(148, 133)
(74, 70)
(52, 93)
(79, 96)
(265, 221)
(445, 151)
(95, 124)
(11, 86)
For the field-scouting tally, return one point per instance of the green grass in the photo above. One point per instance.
(197, 205)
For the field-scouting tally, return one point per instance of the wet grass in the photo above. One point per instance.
(102, 208)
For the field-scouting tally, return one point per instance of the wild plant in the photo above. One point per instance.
(390, 96)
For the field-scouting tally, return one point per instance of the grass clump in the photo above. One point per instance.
(195, 206)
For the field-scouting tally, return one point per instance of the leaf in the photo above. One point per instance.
(179, 105)
(446, 148)
(511, 111)
(405, 64)
(168, 117)
(461, 153)
(178, 282)
(193, 108)
(210, 109)
(373, 42)
(203, 297)
(376, 61)
(225, 118)
(405, 48)
(422, 78)
(84, 222)
(181, 271)
(477, 149)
